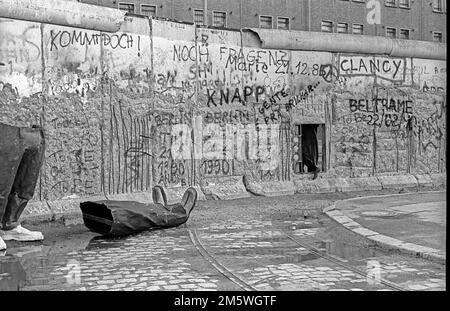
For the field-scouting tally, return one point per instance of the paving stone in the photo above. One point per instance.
(106, 282)
(126, 280)
(141, 284)
(112, 277)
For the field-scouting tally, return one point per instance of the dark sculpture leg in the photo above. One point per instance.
(115, 218)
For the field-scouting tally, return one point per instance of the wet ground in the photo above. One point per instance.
(220, 248)
(418, 218)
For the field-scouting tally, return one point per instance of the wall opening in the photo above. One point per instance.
(308, 148)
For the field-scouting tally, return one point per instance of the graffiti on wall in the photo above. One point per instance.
(127, 110)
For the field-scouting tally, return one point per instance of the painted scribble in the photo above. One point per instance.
(178, 104)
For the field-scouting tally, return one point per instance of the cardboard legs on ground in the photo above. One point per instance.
(115, 218)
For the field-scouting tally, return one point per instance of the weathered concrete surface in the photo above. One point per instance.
(424, 180)
(439, 179)
(166, 103)
(398, 181)
(175, 194)
(344, 43)
(412, 223)
(269, 189)
(37, 211)
(225, 188)
(319, 185)
(359, 184)
(63, 13)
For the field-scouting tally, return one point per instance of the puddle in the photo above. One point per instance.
(345, 251)
(330, 239)
(100, 242)
(12, 274)
(287, 254)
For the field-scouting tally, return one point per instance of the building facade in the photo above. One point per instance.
(423, 20)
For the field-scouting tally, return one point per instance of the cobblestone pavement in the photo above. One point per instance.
(159, 260)
(274, 251)
(269, 260)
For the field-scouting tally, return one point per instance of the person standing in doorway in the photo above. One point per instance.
(310, 152)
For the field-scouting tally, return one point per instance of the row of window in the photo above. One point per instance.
(391, 3)
(150, 10)
(357, 29)
(406, 4)
(266, 21)
(438, 5)
(327, 26)
(219, 18)
(146, 9)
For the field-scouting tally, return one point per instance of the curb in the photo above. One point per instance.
(269, 188)
(343, 184)
(372, 183)
(384, 241)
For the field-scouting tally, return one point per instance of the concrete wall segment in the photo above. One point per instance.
(116, 107)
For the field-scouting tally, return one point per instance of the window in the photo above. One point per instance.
(437, 36)
(199, 17)
(404, 4)
(327, 26)
(391, 32)
(391, 3)
(438, 5)
(358, 29)
(342, 28)
(283, 23)
(404, 34)
(148, 10)
(265, 21)
(127, 7)
(219, 19)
